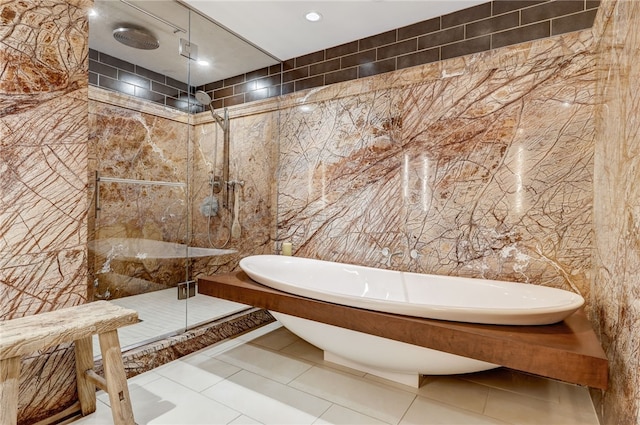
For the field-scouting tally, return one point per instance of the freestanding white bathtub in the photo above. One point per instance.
(421, 295)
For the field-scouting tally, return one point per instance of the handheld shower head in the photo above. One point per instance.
(223, 122)
(203, 97)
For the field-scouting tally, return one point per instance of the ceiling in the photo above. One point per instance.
(275, 30)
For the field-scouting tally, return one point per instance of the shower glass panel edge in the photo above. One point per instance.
(204, 168)
(139, 137)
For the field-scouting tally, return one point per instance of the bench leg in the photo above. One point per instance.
(84, 362)
(116, 379)
(9, 383)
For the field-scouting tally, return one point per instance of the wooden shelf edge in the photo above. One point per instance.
(568, 351)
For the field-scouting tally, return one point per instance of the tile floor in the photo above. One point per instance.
(270, 376)
(163, 314)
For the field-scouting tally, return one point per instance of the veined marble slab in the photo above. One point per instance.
(484, 174)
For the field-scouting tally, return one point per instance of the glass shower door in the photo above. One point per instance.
(219, 146)
(139, 140)
(154, 156)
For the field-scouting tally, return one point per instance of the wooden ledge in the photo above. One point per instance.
(568, 351)
(40, 331)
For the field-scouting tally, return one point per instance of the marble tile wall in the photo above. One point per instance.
(43, 179)
(253, 159)
(481, 165)
(150, 145)
(616, 285)
(483, 170)
(153, 144)
(484, 165)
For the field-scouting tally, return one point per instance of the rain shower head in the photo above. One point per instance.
(136, 38)
(203, 97)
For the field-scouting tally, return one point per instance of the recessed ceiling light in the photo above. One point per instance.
(203, 63)
(313, 16)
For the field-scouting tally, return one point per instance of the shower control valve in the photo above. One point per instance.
(214, 182)
(234, 183)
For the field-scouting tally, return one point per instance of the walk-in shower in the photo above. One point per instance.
(147, 243)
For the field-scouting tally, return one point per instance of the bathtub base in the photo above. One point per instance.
(411, 379)
(389, 359)
(569, 351)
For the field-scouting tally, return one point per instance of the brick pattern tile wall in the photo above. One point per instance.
(484, 27)
(480, 28)
(111, 73)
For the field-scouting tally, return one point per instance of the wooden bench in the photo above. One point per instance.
(74, 324)
(568, 351)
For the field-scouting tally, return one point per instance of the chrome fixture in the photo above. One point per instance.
(154, 16)
(186, 289)
(136, 37)
(209, 206)
(216, 185)
(99, 179)
(188, 50)
(236, 183)
(205, 99)
(223, 122)
(388, 255)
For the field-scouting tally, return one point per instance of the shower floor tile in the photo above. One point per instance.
(163, 314)
(270, 376)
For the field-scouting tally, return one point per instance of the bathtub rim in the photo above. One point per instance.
(480, 315)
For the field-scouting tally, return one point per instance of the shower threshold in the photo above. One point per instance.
(162, 315)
